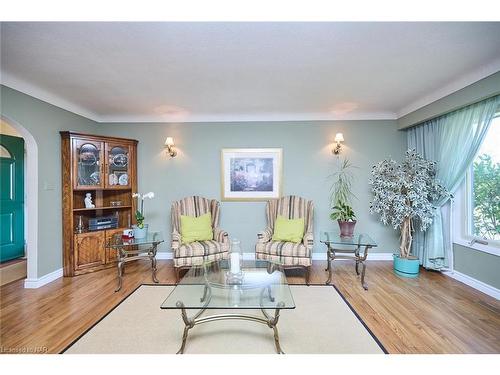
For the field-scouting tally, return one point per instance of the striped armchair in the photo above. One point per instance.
(193, 253)
(289, 254)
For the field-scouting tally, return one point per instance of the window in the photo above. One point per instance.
(482, 193)
(4, 153)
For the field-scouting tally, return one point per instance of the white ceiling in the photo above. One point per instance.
(122, 72)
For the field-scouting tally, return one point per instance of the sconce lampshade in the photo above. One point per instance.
(169, 141)
(339, 137)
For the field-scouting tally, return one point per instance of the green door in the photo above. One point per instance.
(11, 197)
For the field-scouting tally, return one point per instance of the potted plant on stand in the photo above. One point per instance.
(141, 229)
(340, 198)
(403, 196)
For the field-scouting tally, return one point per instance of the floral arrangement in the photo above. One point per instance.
(139, 213)
(404, 195)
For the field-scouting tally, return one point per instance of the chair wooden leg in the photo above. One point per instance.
(308, 274)
(177, 275)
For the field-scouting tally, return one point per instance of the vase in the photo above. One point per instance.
(140, 233)
(406, 267)
(346, 228)
(235, 273)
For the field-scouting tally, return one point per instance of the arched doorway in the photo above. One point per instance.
(31, 201)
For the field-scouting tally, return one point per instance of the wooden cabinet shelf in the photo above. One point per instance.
(100, 208)
(92, 188)
(105, 167)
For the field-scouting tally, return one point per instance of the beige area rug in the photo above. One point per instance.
(322, 322)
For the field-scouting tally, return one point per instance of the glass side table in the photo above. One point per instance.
(128, 250)
(347, 245)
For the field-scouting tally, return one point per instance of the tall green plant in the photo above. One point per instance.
(341, 194)
(342, 212)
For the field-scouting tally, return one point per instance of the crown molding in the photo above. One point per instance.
(41, 94)
(454, 86)
(27, 88)
(36, 92)
(244, 117)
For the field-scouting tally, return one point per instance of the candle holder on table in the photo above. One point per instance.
(235, 274)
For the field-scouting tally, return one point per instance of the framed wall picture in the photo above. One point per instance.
(251, 174)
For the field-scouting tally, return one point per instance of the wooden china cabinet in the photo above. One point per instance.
(105, 167)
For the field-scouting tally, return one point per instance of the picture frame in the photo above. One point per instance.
(251, 174)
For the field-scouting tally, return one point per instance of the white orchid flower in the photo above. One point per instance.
(149, 195)
(135, 195)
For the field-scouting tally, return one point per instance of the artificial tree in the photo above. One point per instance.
(404, 195)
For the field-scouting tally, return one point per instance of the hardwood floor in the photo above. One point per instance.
(431, 314)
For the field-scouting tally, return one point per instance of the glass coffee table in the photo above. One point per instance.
(262, 286)
(336, 244)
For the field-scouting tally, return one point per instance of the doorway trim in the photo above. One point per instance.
(31, 201)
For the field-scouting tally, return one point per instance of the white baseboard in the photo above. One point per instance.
(474, 283)
(315, 256)
(164, 255)
(45, 279)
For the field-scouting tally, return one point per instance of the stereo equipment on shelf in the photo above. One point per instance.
(103, 222)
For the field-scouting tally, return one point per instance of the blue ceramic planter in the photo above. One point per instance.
(140, 233)
(406, 267)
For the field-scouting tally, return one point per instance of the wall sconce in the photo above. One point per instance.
(339, 137)
(169, 145)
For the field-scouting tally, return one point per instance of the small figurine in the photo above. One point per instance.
(88, 201)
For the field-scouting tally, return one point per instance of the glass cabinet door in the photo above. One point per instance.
(117, 166)
(88, 163)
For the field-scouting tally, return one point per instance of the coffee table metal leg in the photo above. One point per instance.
(363, 269)
(327, 259)
(120, 274)
(205, 292)
(365, 286)
(271, 298)
(188, 324)
(153, 266)
(331, 256)
(152, 257)
(274, 325)
(184, 338)
(272, 322)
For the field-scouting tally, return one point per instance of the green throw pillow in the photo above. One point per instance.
(196, 228)
(289, 230)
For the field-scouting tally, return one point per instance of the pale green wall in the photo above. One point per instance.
(477, 264)
(196, 170)
(307, 161)
(475, 92)
(44, 121)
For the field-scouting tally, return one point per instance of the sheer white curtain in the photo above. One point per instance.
(452, 140)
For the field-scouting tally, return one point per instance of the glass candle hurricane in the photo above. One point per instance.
(235, 260)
